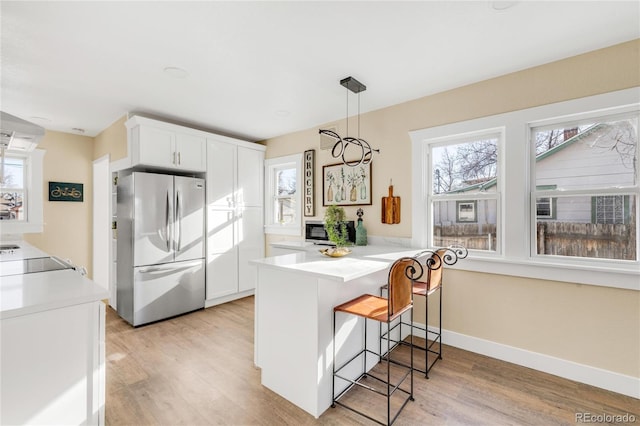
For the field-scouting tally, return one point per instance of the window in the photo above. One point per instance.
(464, 196)
(466, 211)
(611, 209)
(285, 205)
(563, 172)
(21, 192)
(12, 188)
(283, 194)
(589, 167)
(544, 208)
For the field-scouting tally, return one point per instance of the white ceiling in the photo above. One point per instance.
(263, 69)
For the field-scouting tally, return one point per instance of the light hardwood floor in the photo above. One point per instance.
(198, 369)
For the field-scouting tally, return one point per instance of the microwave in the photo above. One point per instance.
(314, 232)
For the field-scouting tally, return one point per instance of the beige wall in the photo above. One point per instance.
(112, 141)
(67, 225)
(596, 326)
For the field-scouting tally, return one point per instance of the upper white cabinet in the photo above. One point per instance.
(250, 177)
(164, 145)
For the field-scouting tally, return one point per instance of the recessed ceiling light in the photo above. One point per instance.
(176, 72)
(502, 5)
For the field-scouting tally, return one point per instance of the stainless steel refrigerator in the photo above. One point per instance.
(160, 246)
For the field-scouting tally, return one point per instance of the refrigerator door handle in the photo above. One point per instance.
(166, 222)
(170, 267)
(179, 221)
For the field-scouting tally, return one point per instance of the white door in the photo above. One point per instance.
(102, 223)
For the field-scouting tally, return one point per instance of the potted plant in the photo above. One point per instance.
(336, 227)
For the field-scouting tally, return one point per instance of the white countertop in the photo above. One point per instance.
(362, 261)
(24, 294)
(26, 251)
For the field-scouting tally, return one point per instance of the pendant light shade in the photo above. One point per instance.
(352, 151)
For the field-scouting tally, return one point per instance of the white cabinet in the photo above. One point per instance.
(167, 146)
(53, 366)
(235, 231)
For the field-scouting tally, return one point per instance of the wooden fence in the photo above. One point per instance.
(602, 241)
(473, 236)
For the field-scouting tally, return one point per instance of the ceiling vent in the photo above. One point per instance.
(18, 134)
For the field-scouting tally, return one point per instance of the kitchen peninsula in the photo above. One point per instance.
(52, 323)
(295, 297)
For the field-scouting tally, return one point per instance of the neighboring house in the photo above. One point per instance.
(585, 160)
(591, 159)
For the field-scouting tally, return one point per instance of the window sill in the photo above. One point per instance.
(624, 277)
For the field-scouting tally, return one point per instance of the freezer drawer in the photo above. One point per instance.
(163, 291)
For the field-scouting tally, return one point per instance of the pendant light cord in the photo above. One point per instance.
(347, 114)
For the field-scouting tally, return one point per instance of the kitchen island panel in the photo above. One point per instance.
(294, 323)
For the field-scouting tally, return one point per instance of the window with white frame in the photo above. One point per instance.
(592, 166)
(21, 201)
(13, 191)
(566, 198)
(283, 182)
(465, 191)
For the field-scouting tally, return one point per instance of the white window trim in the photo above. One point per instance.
(271, 226)
(516, 258)
(34, 185)
(478, 134)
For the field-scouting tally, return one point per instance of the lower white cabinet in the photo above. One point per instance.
(250, 246)
(234, 238)
(53, 366)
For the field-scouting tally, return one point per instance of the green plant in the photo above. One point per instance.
(336, 226)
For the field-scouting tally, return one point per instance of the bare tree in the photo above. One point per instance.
(463, 165)
(549, 139)
(446, 172)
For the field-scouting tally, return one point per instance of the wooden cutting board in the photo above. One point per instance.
(390, 208)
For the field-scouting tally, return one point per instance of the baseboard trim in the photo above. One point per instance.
(224, 299)
(604, 379)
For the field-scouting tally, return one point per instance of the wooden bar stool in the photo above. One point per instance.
(425, 286)
(384, 311)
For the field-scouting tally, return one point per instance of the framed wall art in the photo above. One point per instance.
(346, 186)
(309, 182)
(66, 191)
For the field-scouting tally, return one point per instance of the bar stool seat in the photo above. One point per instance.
(382, 310)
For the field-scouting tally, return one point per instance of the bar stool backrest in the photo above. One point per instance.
(401, 276)
(435, 265)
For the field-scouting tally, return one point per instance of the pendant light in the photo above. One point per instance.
(342, 145)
